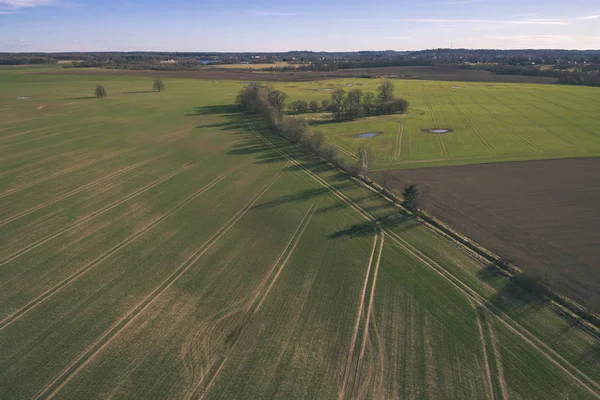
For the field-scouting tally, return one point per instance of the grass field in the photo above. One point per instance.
(160, 245)
(491, 122)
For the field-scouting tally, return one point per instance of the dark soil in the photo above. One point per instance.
(427, 73)
(542, 215)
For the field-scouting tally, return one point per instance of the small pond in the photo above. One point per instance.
(437, 131)
(368, 134)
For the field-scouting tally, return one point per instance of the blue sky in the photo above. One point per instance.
(266, 25)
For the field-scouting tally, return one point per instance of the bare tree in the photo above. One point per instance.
(386, 91)
(277, 99)
(368, 102)
(158, 86)
(337, 97)
(314, 106)
(299, 106)
(352, 103)
(414, 199)
(100, 92)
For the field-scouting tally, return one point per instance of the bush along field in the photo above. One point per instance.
(162, 244)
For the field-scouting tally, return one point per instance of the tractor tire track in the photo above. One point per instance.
(368, 317)
(9, 320)
(289, 250)
(71, 193)
(486, 361)
(65, 171)
(398, 152)
(475, 131)
(100, 344)
(109, 207)
(474, 100)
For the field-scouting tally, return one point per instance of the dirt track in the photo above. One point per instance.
(543, 215)
(423, 73)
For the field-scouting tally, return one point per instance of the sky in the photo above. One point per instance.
(317, 25)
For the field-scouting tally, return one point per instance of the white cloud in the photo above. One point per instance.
(273, 14)
(28, 3)
(589, 17)
(467, 21)
(457, 2)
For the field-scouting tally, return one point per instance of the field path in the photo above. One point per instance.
(100, 344)
(515, 327)
(361, 306)
(368, 317)
(486, 360)
(109, 207)
(78, 274)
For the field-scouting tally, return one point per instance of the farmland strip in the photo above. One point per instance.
(289, 250)
(90, 216)
(551, 132)
(76, 275)
(10, 171)
(28, 185)
(543, 348)
(84, 187)
(528, 337)
(83, 359)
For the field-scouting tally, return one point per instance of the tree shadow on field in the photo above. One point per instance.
(511, 298)
(211, 110)
(141, 91)
(298, 197)
(397, 222)
(81, 98)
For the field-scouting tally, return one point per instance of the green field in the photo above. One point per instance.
(161, 245)
(491, 122)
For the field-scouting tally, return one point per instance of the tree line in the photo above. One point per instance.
(270, 103)
(345, 106)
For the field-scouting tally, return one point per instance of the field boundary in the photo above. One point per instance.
(523, 333)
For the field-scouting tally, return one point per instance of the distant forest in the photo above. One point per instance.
(572, 67)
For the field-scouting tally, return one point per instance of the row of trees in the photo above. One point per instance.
(264, 100)
(357, 104)
(345, 105)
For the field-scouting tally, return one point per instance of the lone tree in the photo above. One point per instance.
(158, 86)
(414, 199)
(100, 92)
(385, 91)
(314, 106)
